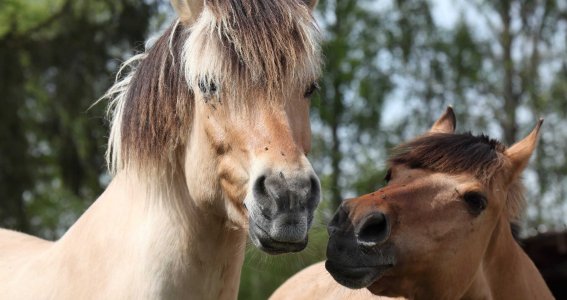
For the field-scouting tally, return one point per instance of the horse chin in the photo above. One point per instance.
(356, 277)
(357, 267)
(384, 286)
(267, 243)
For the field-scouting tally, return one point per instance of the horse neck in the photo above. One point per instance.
(506, 271)
(166, 242)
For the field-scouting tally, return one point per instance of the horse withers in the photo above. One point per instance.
(209, 136)
(441, 228)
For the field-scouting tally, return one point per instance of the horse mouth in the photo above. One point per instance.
(262, 240)
(356, 277)
(279, 248)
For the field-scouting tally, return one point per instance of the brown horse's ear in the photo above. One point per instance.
(311, 3)
(188, 10)
(520, 153)
(446, 123)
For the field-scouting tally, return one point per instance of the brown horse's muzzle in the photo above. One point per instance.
(358, 252)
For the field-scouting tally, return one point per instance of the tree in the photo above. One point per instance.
(58, 57)
(502, 67)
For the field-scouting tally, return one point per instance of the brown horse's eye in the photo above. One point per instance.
(311, 90)
(476, 202)
(388, 176)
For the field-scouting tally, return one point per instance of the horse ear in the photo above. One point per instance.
(311, 3)
(520, 153)
(446, 123)
(188, 10)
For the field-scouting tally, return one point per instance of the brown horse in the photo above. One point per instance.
(439, 229)
(208, 144)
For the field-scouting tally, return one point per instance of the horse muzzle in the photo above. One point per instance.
(281, 211)
(359, 254)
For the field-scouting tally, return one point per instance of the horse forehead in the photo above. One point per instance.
(360, 206)
(434, 179)
(261, 55)
(436, 183)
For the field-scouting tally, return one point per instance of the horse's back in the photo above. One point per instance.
(316, 283)
(17, 252)
(16, 244)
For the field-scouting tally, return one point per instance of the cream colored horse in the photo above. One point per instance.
(439, 229)
(208, 144)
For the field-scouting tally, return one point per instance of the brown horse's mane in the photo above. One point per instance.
(235, 45)
(452, 154)
(461, 153)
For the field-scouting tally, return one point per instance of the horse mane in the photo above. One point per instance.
(150, 107)
(461, 153)
(265, 45)
(239, 46)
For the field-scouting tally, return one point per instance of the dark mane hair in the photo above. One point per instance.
(452, 154)
(158, 102)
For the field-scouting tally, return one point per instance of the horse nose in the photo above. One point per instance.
(287, 193)
(286, 205)
(373, 230)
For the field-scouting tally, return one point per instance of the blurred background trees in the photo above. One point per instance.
(56, 58)
(391, 68)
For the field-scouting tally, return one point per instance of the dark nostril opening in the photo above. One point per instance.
(373, 231)
(333, 227)
(260, 186)
(339, 220)
(314, 192)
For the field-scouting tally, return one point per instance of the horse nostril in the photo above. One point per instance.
(340, 219)
(260, 186)
(373, 231)
(333, 227)
(314, 192)
(262, 193)
(277, 192)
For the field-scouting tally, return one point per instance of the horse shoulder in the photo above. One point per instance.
(314, 282)
(15, 244)
(18, 252)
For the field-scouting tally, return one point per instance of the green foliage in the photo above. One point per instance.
(262, 274)
(353, 88)
(58, 57)
(17, 16)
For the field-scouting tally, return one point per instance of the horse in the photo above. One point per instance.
(442, 227)
(208, 145)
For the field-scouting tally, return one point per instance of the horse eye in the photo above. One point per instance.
(207, 87)
(388, 176)
(476, 202)
(311, 90)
